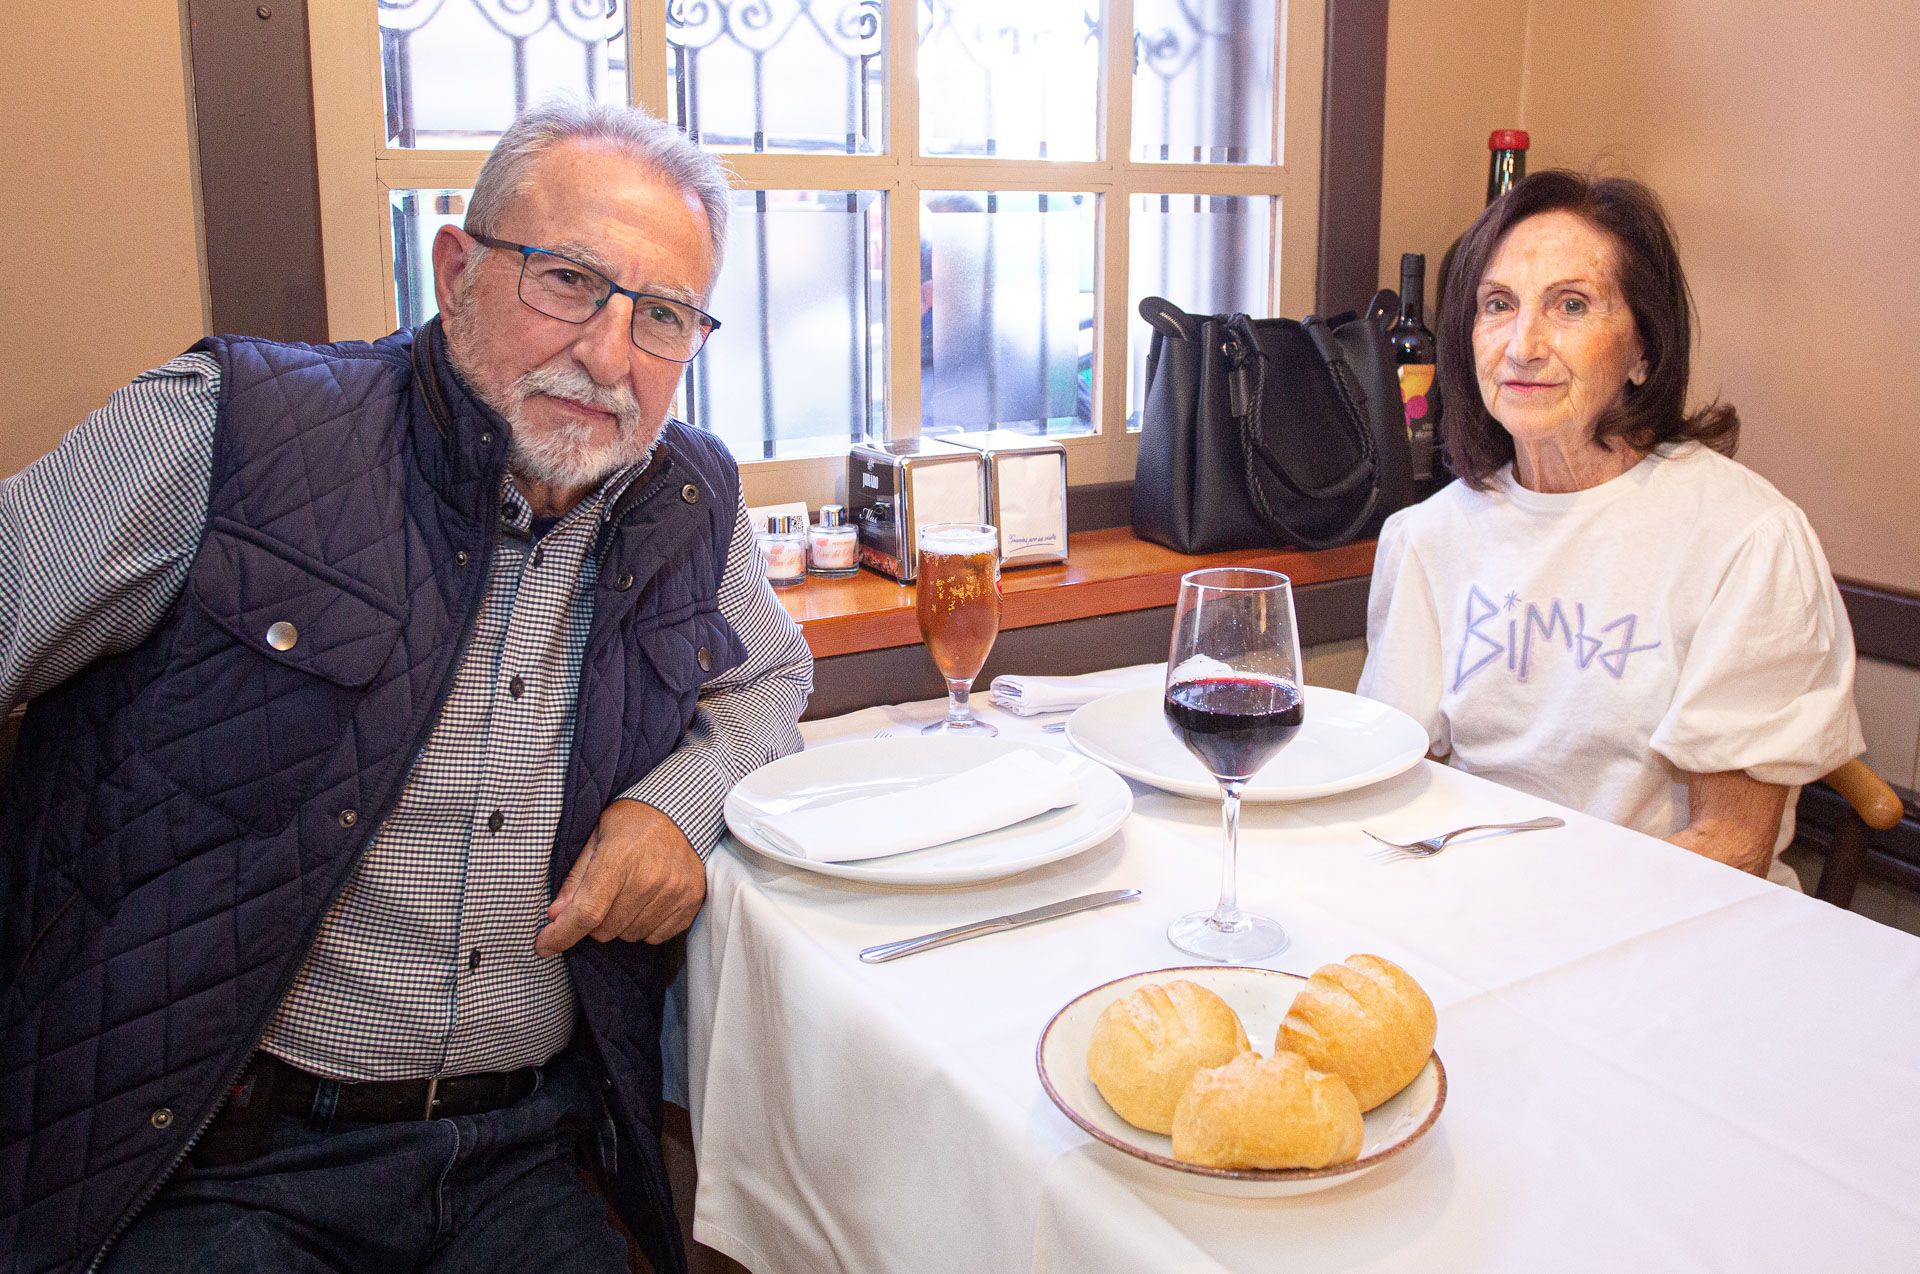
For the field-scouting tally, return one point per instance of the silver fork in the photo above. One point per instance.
(1434, 844)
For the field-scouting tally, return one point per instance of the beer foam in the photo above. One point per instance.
(958, 538)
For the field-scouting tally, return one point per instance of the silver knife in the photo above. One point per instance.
(927, 942)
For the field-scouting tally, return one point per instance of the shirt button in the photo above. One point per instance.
(495, 821)
(349, 817)
(460, 558)
(486, 439)
(517, 687)
(624, 582)
(704, 658)
(690, 494)
(282, 635)
(161, 1118)
(473, 959)
(537, 557)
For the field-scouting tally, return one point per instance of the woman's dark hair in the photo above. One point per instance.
(1648, 266)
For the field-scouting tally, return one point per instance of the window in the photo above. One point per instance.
(946, 211)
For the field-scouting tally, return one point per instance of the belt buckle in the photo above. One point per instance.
(433, 1097)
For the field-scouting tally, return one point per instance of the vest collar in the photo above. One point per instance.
(460, 443)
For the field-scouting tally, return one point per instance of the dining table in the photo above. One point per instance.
(1654, 1061)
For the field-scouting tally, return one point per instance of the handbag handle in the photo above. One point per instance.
(1354, 414)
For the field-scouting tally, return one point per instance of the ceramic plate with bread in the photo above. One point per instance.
(1247, 1081)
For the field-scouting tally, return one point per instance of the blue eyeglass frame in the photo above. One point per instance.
(526, 250)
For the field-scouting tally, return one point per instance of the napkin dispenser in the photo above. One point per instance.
(896, 488)
(1026, 493)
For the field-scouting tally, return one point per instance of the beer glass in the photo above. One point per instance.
(957, 600)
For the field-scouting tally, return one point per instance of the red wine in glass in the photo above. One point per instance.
(1233, 697)
(1235, 724)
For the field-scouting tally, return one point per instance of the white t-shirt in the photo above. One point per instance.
(1593, 647)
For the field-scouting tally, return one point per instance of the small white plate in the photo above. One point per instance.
(1261, 998)
(848, 771)
(1347, 742)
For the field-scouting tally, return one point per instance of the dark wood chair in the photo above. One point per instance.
(1871, 806)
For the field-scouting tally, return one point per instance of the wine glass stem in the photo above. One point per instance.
(957, 693)
(1227, 914)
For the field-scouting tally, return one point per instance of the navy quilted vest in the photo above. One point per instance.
(178, 818)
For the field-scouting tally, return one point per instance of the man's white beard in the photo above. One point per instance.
(567, 457)
(564, 457)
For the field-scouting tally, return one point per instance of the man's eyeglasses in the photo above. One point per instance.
(562, 288)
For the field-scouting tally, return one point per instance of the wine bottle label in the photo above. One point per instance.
(1416, 385)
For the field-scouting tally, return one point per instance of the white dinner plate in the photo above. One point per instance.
(841, 772)
(1260, 997)
(1347, 742)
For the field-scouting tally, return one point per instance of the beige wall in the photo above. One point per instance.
(1453, 76)
(101, 253)
(1785, 140)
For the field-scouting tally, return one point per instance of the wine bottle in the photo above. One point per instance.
(1413, 356)
(1507, 162)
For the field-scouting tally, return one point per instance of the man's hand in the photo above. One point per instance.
(637, 879)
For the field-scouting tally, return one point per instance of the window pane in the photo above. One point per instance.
(807, 75)
(1006, 320)
(1203, 90)
(800, 367)
(458, 71)
(1016, 79)
(1207, 254)
(417, 217)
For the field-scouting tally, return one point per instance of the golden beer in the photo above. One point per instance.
(958, 604)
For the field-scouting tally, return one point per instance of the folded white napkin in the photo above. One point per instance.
(1008, 789)
(1030, 696)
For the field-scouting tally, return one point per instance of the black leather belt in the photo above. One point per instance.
(296, 1092)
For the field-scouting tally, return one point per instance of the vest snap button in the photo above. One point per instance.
(282, 635)
(349, 817)
(704, 658)
(460, 558)
(690, 493)
(161, 1118)
(625, 581)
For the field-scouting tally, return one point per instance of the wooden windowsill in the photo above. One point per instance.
(1106, 572)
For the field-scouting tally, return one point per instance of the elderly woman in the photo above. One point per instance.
(1605, 609)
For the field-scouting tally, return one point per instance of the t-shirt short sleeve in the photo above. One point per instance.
(1403, 665)
(1767, 682)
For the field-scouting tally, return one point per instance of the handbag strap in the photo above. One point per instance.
(1253, 439)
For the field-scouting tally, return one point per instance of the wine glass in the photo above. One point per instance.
(1234, 699)
(957, 600)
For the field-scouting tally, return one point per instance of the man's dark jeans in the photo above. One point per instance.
(496, 1191)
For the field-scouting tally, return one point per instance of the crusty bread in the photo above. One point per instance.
(1365, 1020)
(1272, 1112)
(1148, 1044)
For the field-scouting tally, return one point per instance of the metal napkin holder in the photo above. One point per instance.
(894, 489)
(1026, 493)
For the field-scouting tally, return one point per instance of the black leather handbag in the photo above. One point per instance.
(1259, 432)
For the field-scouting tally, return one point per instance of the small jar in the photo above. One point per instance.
(833, 547)
(784, 546)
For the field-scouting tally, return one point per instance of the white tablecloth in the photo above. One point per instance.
(1654, 1062)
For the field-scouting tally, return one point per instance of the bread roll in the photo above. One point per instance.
(1148, 1044)
(1273, 1112)
(1365, 1020)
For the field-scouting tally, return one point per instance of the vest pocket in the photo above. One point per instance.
(270, 661)
(693, 651)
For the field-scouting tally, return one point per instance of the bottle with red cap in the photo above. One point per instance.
(1508, 163)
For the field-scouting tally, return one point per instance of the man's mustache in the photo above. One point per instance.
(568, 382)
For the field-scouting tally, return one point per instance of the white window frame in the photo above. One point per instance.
(358, 172)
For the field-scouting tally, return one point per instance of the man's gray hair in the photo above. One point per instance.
(653, 143)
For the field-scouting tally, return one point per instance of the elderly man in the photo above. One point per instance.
(383, 702)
